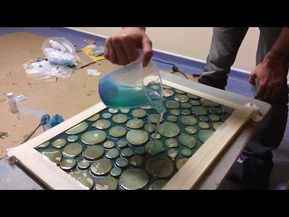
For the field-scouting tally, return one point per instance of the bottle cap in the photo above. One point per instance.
(9, 94)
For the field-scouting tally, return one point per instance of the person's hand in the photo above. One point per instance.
(122, 48)
(270, 76)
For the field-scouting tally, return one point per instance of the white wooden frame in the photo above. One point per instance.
(186, 178)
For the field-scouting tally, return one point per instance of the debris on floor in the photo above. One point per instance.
(93, 72)
(3, 135)
(12, 102)
(20, 98)
(90, 41)
(44, 69)
(94, 52)
(55, 120)
(60, 60)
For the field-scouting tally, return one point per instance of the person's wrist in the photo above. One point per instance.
(276, 55)
(274, 61)
(271, 60)
(140, 28)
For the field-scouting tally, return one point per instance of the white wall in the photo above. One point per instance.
(193, 42)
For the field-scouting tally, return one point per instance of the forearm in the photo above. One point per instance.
(142, 28)
(280, 49)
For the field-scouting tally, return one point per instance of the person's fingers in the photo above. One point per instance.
(123, 48)
(252, 78)
(119, 50)
(106, 50)
(112, 53)
(261, 90)
(130, 48)
(147, 51)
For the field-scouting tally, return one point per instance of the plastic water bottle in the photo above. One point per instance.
(12, 102)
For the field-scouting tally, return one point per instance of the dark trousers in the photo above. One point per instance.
(224, 48)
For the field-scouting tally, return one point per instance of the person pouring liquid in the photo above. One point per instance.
(269, 77)
(135, 84)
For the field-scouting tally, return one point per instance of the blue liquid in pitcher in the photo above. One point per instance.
(117, 95)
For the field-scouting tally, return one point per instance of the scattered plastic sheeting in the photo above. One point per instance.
(61, 58)
(43, 69)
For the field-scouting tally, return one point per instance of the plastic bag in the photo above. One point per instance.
(59, 51)
(61, 57)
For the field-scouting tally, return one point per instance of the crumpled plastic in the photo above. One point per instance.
(43, 69)
(61, 58)
(59, 51)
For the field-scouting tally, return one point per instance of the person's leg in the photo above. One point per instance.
(258, 163)
(223, 51)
